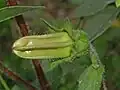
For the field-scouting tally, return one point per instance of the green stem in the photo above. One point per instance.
(4, 83)
(50, 26)
(94, 57)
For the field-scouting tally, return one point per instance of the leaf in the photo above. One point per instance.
(54, 76)
(57, 76)
(91, 79)
(90, 7)
(16, 87)
(101, 44)
(117, 2)
(76, 1)
(7, 13)
(2, 3)
(94, 26)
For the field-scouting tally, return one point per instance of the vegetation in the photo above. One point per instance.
(89, 60)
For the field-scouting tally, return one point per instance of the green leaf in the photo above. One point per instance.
(54, 77)
(76, 1)
(67, 74)
(91, 79)
(117, 2)
(7, 13)
(101, 44)
(94, 26)
(90, 7)
(3, 82)
(16, 87)
(2, 3)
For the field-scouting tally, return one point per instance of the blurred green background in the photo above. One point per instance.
(97, 15)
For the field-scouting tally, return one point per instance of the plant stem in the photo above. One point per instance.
(41, 77)
(4, 83)
(24, 31)
(15, 77)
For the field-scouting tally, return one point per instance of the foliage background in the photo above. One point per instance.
(97, 15)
